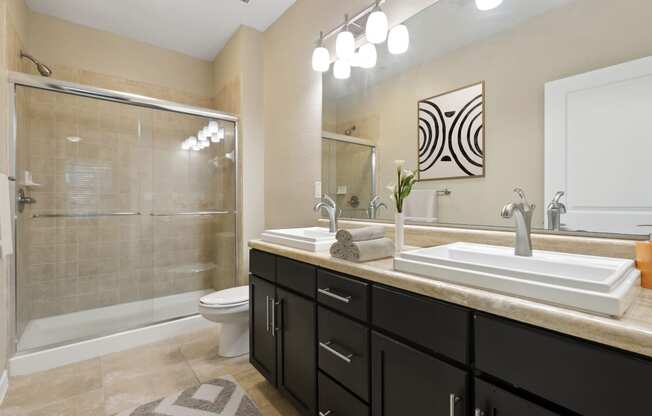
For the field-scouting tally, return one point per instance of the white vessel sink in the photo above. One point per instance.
(600, 285)
(309, 239)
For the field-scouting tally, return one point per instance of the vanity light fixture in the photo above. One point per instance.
(341, 69)
(345, 42)
(377, 25)
(398, 40)
(485, 5)
(373, 23)
(321, 58)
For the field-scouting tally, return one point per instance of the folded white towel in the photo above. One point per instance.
(421, 205)
(360, 234)
(370, 250)
(338, 250)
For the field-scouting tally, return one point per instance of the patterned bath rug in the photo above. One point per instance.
(219, 397)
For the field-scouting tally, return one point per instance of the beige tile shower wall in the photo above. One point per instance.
(585, 35)
(81, 54)
(293, 101)
(129, 160)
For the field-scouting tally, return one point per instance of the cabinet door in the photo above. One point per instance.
(262, 343)
(491, 400)
(297, 345)
(407, 382)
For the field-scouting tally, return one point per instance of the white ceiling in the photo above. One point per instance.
(198, 28)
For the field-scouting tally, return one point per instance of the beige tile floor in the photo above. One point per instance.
(107, 385)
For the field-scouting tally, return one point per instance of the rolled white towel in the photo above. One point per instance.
(361, 251)
(360, 234)
(338, 250)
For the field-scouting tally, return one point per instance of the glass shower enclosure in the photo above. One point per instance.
(119, 224)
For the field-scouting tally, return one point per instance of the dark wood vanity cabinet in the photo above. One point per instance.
(408, 382)
(342, 346)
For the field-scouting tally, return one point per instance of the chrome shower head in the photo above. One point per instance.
(41, 68)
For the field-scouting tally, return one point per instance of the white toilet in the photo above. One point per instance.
(229, 307)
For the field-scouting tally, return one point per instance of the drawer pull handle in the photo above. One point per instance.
(326, 413)
(328, 347)
(329, 293)
(453, 400)
(479, 412)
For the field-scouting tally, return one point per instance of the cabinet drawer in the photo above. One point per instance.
(581, 376)
(344, 351)
(491, 400)
(262, 265)
(343, 294)
(334, 400)
(300, 277)
(438, 326)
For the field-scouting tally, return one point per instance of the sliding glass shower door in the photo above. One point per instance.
(117, 225)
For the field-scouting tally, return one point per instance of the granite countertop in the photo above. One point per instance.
(632, 332)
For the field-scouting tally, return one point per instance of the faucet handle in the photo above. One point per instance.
(523, 197)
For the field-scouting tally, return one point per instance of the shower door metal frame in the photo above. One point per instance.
(19, 79)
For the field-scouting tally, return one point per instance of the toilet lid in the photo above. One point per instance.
(228, 297)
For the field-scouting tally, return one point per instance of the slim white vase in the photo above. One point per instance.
(399, 233)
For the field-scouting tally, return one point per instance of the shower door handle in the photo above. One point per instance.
(22, 199)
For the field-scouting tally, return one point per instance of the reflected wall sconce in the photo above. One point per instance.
(212, 133)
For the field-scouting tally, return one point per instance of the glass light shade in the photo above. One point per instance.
(341, 69)
(220, 134)
(321, 59)
(345, 45)
(368, 56)
(201, 136)
(192, 141)
(196, 147)
(377, 26)
(186, 145)
(205, 144)
(398, 40)
(215, 138)
(487, 4)
(213, 127)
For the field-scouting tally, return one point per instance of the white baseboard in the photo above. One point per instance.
(4, 385)
(29, 363)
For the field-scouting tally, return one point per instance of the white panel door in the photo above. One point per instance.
(598, 147)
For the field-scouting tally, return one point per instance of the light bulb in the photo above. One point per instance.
(485, 5)
(368, 56)
(341, 69)
(213, 127)
(345, 45)
(321, 59)
(192, 141)
(377, 26)
(398, 40)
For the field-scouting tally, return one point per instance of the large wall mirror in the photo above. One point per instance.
(551, 96)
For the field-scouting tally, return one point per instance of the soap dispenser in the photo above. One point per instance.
(644, 260)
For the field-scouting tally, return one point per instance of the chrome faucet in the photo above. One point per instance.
(523, 212)
(554, 211)
(374, 205)
(330, 206)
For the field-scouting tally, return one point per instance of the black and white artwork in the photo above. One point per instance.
(451, 134)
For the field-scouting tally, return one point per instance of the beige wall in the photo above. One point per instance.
(155, 71)
(515, 65)
(12, 34)
(238, 77)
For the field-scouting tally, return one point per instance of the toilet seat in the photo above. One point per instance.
(228, 298)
